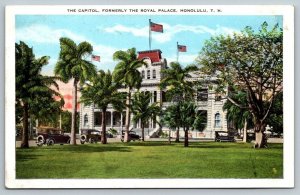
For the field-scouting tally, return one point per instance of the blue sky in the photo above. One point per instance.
(110, 33)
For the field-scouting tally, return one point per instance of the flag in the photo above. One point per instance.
(156, 27)
(96, 58)
(181, 48)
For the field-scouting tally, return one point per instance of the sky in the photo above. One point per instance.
(110, 33)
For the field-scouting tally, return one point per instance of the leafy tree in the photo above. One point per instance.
(46, 109)
(275, 120)
(30, 85)
(72, 64)
(176, 83)
(143, 110)
(249, 61)
(126, 72)
(102, 91)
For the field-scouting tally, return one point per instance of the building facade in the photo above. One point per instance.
(209, 104)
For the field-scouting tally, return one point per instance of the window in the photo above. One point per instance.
(202, 95)
(155, 96)
(148, 74)
(217, 120)
(85, 120)
(154, 74)
(143, 74)
(97, 117)
(163, 96)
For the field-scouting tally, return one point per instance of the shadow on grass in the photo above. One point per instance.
(149, 143)
(22, 157)
(231, 145)
(219, 145)
(88, 148)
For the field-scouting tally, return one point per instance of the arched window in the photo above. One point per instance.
(85, 120)
(217, 120)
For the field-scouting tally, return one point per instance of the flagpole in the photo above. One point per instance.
(149, 34)
(177, 51)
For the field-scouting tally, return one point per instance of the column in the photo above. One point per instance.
(111, 118)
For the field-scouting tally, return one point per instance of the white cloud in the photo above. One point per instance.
(106, 55)
(45, 34)
(170, 31)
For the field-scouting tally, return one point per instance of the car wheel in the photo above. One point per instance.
(82, 139)
(91, 140)
(50, 142)
(40, 140)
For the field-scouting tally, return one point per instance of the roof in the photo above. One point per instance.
(154, 55)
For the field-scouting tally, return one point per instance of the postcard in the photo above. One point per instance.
(149, 96)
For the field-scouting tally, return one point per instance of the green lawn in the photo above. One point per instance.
(151, 160)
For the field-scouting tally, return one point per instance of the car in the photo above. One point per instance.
(131, 136)
(90, 136)
(50, 136)
(223, 136)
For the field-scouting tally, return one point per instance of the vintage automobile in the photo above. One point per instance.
(90, 136)
(223, 136)
(131, 136)
(51, 136)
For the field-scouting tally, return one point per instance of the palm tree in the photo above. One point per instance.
(171, 118)
(187, 118)
(126, 72)
(30, 84)
(73, 65)
(102, 91)
(239, 116)
(176, 83)
(143, 110)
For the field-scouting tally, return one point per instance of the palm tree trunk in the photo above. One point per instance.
(186, 137)
(25, 143)
(127, 125)
(74, 111)
(103, 133)
(169, 138)
(245, 131)
(177, 135)
(143, 132)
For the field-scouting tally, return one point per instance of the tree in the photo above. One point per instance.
(176, 83)
(171, 118)
(126, 72)
(275, 120)
(102, 91)
(187, 118)
(30, 84)
(250, 61)
(240, 117)
(72, 65)
(143, 110)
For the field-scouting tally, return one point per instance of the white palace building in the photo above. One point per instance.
(208, 103)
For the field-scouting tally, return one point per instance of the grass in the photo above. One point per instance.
(150, 160)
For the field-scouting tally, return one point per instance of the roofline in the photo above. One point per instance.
(148, 51)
